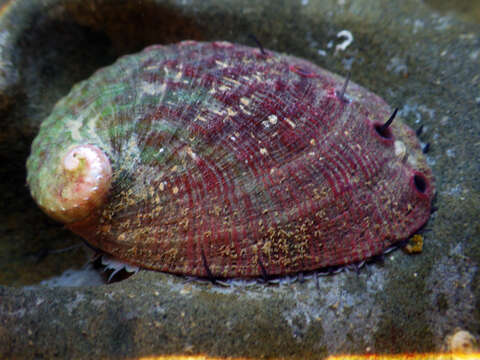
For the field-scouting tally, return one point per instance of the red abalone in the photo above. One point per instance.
(215, 159)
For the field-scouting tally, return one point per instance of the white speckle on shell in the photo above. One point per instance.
(400, 149)
(273, 119)
(154, 88)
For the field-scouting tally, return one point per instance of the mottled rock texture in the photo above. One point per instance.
(424, 62)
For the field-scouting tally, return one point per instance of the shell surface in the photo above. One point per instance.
(220, 160)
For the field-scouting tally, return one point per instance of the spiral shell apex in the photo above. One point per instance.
(80, 184)
(216, 159)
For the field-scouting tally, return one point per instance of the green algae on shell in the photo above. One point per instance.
(221, 160)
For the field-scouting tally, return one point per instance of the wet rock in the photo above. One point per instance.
(424, 62)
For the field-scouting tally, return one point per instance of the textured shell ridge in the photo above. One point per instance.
(229, 161)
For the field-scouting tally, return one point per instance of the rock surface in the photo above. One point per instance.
(422, 61)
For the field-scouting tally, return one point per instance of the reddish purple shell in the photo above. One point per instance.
(228, 162)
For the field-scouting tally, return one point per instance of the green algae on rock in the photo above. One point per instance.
(215, 159)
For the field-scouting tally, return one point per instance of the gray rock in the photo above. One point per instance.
(424, 62)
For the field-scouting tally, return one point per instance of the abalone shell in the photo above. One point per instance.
(215, 159)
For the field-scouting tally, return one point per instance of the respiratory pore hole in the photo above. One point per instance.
(385, 133)
(420, 183)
